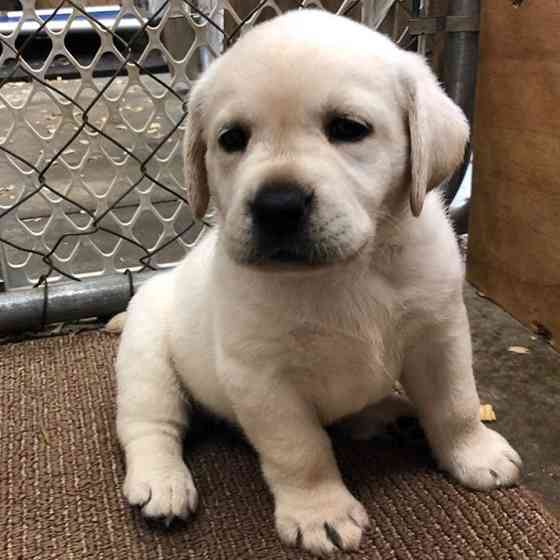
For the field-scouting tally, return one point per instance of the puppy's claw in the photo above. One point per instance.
(299, 538)
(333, 536)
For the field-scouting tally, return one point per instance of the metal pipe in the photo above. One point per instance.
(33, 308)
(459, 216)
(459, 70)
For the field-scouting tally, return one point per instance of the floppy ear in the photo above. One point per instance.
(438, 131)
(194, 149)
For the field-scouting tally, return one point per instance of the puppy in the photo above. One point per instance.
(332, 273)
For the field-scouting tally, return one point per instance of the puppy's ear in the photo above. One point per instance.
(194, 150)
(438, 131)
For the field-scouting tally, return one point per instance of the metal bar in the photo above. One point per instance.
(33, 308)
(380, 11)
(459, 76)
(215, 39)
(460, 217)
(437, 24)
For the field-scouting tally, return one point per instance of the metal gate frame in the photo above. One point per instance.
(34, 308)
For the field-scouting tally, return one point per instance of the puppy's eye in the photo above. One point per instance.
(234, 139)
(346, 129)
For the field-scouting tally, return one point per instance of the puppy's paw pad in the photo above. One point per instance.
(484, 461)
(162, 493)
(322, 527)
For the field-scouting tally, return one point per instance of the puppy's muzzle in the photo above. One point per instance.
(280, 218)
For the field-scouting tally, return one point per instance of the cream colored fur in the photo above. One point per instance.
(284, 351)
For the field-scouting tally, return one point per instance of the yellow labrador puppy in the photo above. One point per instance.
(332, 272)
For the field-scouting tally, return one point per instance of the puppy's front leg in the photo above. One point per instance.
(151, 421)
(438, 378)
(313, 508)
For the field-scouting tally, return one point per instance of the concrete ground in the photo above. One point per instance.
(523, 388)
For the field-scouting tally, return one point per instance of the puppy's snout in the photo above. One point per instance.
(281, 208)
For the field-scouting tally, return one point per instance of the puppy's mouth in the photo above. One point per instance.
(286, 254)
(298, 258)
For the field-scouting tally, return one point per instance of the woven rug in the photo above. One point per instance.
(61, 470)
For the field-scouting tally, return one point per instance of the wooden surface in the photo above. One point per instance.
(514, 245)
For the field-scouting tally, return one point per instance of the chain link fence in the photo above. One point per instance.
(92, 106)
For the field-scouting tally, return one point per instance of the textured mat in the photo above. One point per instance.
(61, 470)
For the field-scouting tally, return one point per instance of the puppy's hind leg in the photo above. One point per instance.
(375, 418)
(152, 414)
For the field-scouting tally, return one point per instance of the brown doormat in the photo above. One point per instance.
(61, 471)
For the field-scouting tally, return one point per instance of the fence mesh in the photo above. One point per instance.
(92, 106)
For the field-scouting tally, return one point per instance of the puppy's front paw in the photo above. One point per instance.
(321, 521)
(162, 491)
(483, 460)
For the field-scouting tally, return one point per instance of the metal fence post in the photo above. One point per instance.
(459, 76)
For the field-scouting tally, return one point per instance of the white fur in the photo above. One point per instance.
(285, 351)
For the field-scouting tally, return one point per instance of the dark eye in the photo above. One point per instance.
(234, 139)
(346, 129)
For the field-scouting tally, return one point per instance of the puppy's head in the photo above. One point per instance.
(308, 132)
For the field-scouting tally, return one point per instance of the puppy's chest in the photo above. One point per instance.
(341, 368)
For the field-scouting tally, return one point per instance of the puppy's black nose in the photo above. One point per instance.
(280, 208)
